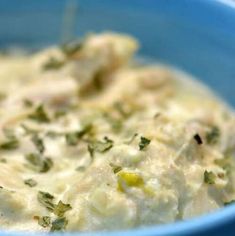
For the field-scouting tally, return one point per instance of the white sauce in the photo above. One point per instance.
(162, 174)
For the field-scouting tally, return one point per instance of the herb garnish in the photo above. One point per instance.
(124, 110)
(9, 133)
(38, 163)
(115, 123)
(144, 142)
(69, 49)
(27, 103)
(28, 130)
(224, 163)
(40, 115)
(209, 177)
(10, 144)
(212, 137)
(229, 203)
(30, 182)
(38, 142)
(46, 199)
(53, 64)
(3, 160)
(72, 138)
(61, 208)
(198, 139)
(59, 224)
(44, 221)
(131, 139)
(100, 146)
(115, 168)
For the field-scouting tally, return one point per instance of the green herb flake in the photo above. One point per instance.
(224, 163)
(144, 142)
(40, 115)
(72, 138)
(131, 139)
(115, 168)
(212, 137)
(60, 113)
(100, 146)
(3, 160)
(9, 133)
(53, 64)
(38, 163)
(38, 142)
(229, 203)
(80, 168)
(28, 130)
(10, 144)
(116, 124)
(44, 221)
(209, 177)
(27, 103)
(124, 110)
(46, 199)
(30, 182)
(61, 208)
(59, 224)
(69, 49)
(2, 96)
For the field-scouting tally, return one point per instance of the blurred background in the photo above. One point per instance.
(195, 35)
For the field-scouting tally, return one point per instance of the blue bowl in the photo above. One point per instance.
(197, 36)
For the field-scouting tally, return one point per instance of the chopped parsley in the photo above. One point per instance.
(44, 221)
(144, 142)
(131, 139)
(115, 123)
(28, 130)
(38, 163)
(59, 224)
(53, 64)
(209, 177)
(46, 199)
(80, 168)
(61, 208)
(30, 182)
(72, 138)
(69, 49)
(3, 160)
(59, 113)
(224, 163)
(229, 203)
(10, 144)
(38, 142)
(212, 137)
(124, 110)
(9, 133)
(40, 115)
(115, 168)
(198, 139)
(100, 146)
(27, 103)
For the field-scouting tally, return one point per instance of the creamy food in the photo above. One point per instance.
(92, 141)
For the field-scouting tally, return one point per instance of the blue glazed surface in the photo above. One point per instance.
(197, 36)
